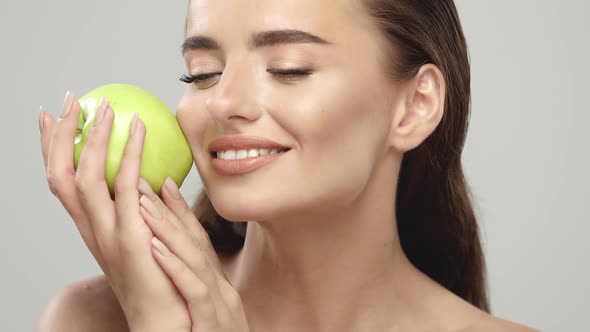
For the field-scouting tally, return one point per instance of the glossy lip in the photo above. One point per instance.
(242, 166)
(242, 142)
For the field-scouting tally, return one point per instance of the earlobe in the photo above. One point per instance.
(421, 112)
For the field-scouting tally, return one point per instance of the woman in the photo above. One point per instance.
(360, 220)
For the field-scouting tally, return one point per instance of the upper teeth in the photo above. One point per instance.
(242, 154)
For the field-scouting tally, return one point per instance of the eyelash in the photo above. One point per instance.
(288, 75)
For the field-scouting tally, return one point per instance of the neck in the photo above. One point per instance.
(322, 271)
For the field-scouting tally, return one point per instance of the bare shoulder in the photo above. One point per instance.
(489, 323)
(86, 305)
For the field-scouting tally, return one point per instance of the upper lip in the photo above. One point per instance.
(241, 142)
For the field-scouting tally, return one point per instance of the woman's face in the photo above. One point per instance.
(335, 120)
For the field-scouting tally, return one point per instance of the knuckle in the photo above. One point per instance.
(92, 141)
(97, 138)
(82, 183)
(53, 185)
(56, 132)
(120, 186)
(56, 181)
(85, 165)
(199, 295)
(55, 191)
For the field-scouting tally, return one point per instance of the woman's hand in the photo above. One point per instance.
(183, 249)
(114, 231)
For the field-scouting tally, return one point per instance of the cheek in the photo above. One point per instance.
(340, 133)
(193, 119)
(345, 123)
(336, 131)
(194, 122)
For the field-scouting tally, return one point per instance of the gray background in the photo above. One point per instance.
(526, 154)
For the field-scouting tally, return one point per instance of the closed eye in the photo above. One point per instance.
(196, 78)
(288, 75)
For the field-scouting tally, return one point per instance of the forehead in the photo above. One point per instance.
(336, 20)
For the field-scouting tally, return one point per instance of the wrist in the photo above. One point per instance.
(157, 326)
(157, 320)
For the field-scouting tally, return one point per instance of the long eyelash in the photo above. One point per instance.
(288, 74)
(196, 78)
(291, 73)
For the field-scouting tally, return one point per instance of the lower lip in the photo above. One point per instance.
(242, 166)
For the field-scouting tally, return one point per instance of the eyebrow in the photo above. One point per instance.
(257, 40)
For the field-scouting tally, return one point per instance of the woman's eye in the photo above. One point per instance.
(288, 76)
(197, 79)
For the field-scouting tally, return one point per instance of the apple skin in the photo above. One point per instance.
(166, 151)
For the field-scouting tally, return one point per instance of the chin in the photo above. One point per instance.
(247, 208)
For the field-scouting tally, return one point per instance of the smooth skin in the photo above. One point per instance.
(322, 252)
(155, 255)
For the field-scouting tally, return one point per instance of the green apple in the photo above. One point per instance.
(166, 151)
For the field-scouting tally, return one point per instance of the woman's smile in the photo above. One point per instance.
(239, 162)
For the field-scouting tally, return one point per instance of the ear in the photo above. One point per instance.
(420, 112)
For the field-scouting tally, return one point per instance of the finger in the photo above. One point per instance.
(146, 190)
(187, 247)
(46, 124)
(201, 306)
(161, 221)
(166, 226)
(90, 175)
(191, 249)
(57, 145)
(60, 181)
(126, 192)
(176, 203)
(178, 206)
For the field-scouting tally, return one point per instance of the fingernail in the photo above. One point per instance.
(100, 112)
(150, 207)
(160, 247)
(41, 118)
(67, 106)
(133, 124)
(144, 187)
(172, 188)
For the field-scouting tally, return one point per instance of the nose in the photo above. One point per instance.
(233, 99)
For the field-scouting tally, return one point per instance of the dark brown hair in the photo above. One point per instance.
(437, 226)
